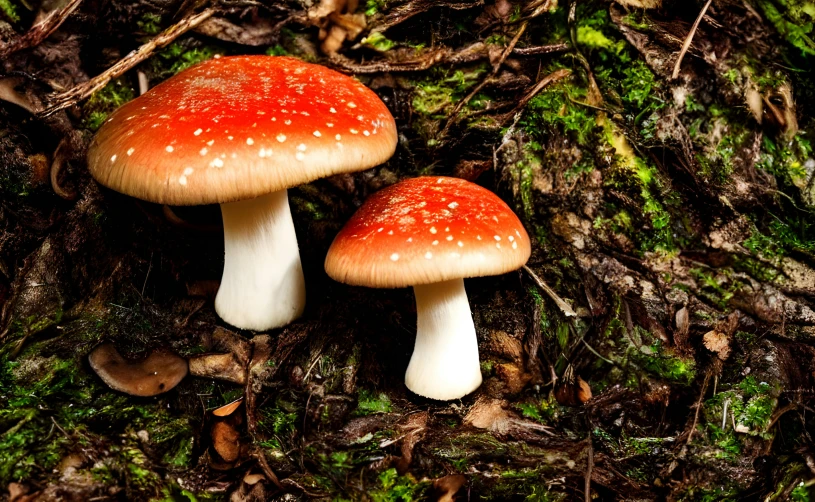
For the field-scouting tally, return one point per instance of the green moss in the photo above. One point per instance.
(794, 21)
(663, 363)
(9, 9)
(179, 56)
(546, 410)
(104, 101)
(717, 287)
(435, 95)
(556, 107)
(377, 41)
(369, 402)
(393, 487)
(150, 24)
(374, 6)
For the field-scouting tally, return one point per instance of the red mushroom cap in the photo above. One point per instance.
(425, 230)
(234, 128)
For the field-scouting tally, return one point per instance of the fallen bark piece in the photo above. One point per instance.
(218, 366)
(157, 373)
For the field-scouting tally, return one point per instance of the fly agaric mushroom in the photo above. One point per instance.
(155, 374)
(239, 131)
(430, 233)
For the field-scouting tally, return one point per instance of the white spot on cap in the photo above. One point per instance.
(449, 237)
(332, 110)
(169, 148)
(410, 239)
(517, 233)
(188, 171)
(301, 147)
(182, 180)
(354, 131)
(113, 158)
(428, 255)
(514, 245)
(130, 151)
(351, 104)
(216, 163)
(460, 244)
(447, 229)
(452, 205)
(394, 256)
(435, 243)
(511, 238)
(433, 230)
(366, 133)
(495, 219)
(478, 237)
(300, 156)
(390, 232)
(317, 134)
(250, 141)
(281, 138)
(198, 132)
(497, 237)
(338, 137)
(380, 229)
(230, 138)
(329, 124)
(498, 245)
(287, 122)
(203, 151)
(210, 142)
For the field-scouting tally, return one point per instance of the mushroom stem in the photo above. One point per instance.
(262, 286)
(445, 363)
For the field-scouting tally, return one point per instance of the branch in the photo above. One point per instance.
(85, 89)
(40, 31)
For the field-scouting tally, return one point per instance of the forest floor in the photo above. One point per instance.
(660, 156)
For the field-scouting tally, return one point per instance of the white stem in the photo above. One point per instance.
(445, 363)
(262, 286)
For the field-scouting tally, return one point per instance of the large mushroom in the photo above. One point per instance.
(239, 131)
(430, 233)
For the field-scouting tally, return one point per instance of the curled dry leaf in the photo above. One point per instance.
(717, 342)
(572, 390)
(226, 441)
(227, 409)
(447, 486)
(155, 374)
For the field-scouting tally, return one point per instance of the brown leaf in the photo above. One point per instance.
(447, 487)
(226, 441)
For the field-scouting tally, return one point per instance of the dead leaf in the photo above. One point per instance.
(447, 486)
(218, 366)
(226, 441)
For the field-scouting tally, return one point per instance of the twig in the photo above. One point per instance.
(495, 68)
(267, 470)
(545, 81)
(84, 90)
(40, 31)
(698, 407)
(60, 159)
(443, 55)
(564, 307)
(589, 468)
(689, 39)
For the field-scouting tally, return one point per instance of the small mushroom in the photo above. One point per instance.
(157, 373)
(430, 233)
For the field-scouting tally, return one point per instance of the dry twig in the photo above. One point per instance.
(40, 31)
(689, 39)
(85, 89)
(564, 307)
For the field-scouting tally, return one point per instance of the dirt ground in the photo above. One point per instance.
(659, 347)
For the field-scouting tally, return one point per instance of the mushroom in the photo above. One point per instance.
(239, 131)
(430, 233)
(157, 373)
